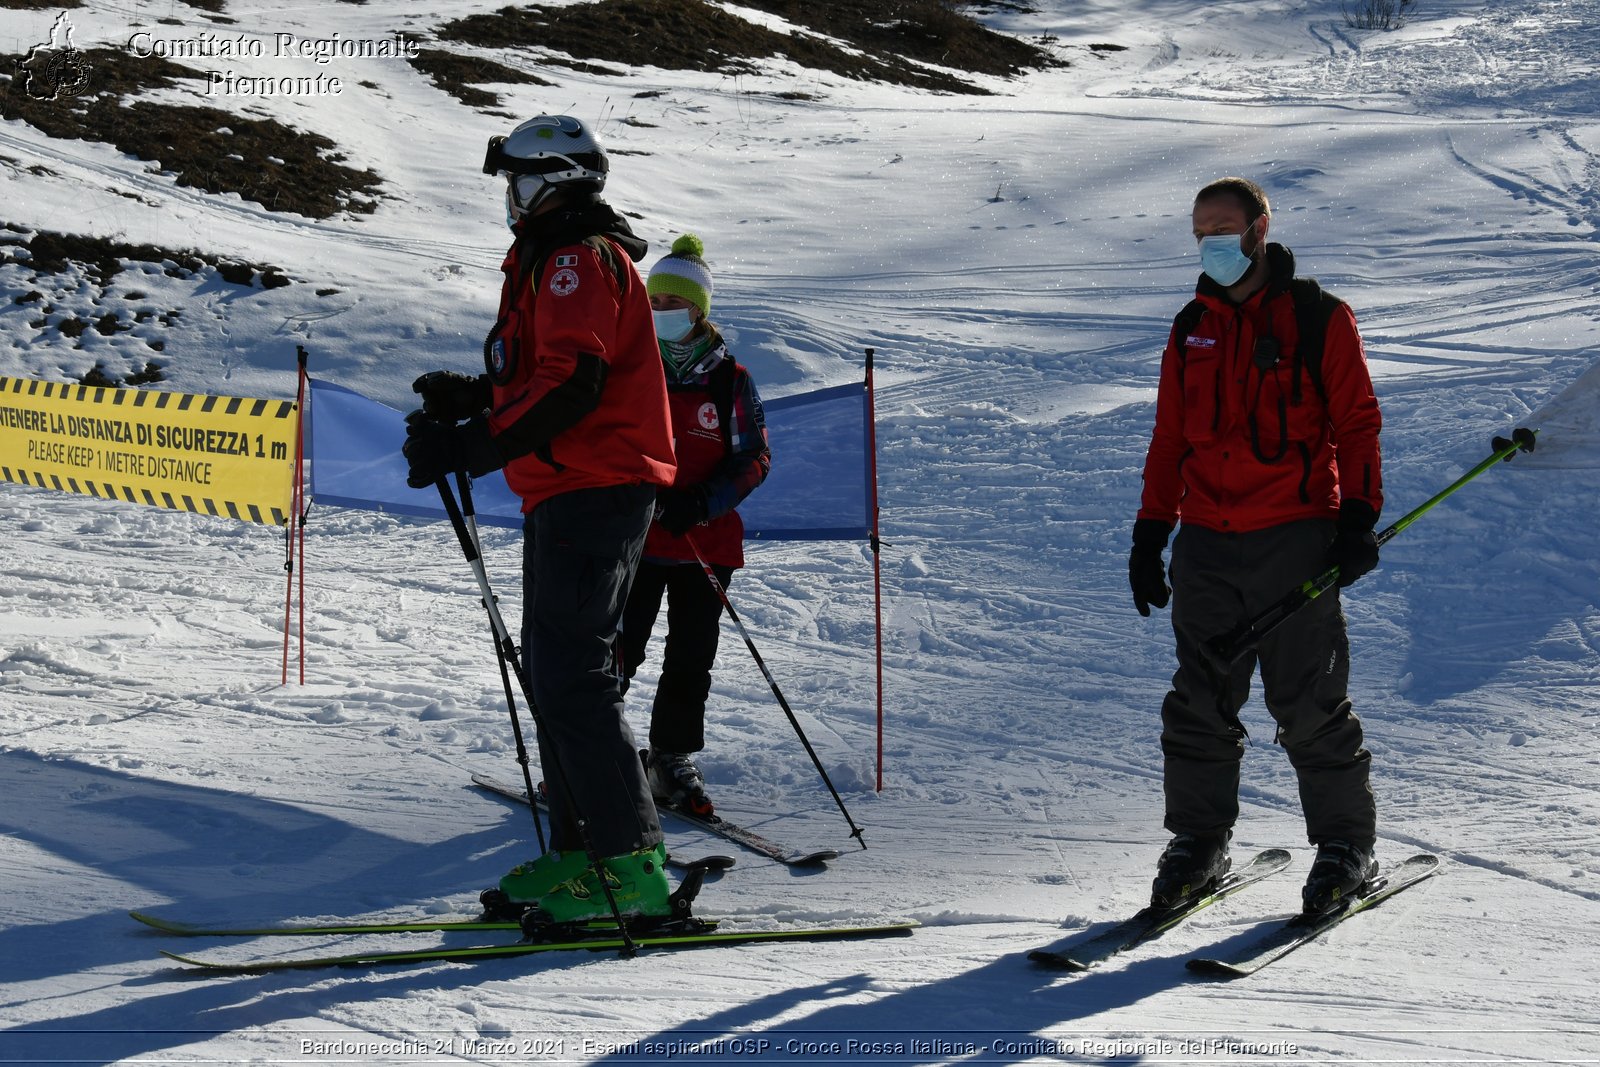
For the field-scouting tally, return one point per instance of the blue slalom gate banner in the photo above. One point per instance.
(822, 486)
(819, 489)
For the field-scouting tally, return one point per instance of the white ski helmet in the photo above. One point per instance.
(543, 155)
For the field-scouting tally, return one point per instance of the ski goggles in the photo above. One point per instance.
(551, 166)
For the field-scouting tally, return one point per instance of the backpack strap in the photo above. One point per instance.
(1187, 320)
(1182, 327)
(721, 385)
(1313, 310)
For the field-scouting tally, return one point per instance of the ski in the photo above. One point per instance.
(728, 831)
(711, 823)
(182, 929)
(1152, 922)
(1290, 935)
(342, 927)
(478, 953)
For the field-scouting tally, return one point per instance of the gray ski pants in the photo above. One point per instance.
(1218, 582)
(579, 554)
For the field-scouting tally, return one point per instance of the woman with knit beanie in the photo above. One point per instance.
(720, 437)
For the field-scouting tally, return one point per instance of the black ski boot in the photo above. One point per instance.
(676, 780)
(1341, 870)
(1191, 864)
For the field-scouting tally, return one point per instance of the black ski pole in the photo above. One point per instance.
(722, 594)
(508, 648)
(1224, 651)
(505, 657)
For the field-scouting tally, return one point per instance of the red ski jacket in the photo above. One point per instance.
(1237, 447)
(579, 400)
(724, 462)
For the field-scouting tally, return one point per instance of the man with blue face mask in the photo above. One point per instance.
(1265, 450)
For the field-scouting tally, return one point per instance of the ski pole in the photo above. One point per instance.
(722, 594)
(1224, 651)
(508, 648)
(470, 518)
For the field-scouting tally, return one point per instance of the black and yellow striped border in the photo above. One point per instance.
(147, 398)
(155, 400)
(200, 505)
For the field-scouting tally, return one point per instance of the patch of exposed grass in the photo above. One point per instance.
(459, 74)
(102, 258)
(99, 376)
(694, 35)
(930, 31)
(76, 272)
(263, 160)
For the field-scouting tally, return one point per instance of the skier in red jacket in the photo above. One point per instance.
(1272, 468)
(720, 438)
(573, 405)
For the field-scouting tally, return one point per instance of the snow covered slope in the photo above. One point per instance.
(1014, 259)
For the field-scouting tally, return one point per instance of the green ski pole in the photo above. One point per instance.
(1224, 651)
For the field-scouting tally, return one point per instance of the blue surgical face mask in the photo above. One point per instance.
(1222, 256)
(673, 325)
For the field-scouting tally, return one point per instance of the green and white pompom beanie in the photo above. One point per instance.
(683, 273)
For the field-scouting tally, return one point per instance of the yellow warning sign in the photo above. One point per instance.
(217, 455)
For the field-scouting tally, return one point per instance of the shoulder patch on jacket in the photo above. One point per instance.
(602, 248)
(564, 282)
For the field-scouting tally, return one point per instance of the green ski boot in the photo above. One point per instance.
(638, 882)
(527, 882)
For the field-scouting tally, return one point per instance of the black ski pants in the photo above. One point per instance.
(1219, 581)
(694, 614)
(579, 552)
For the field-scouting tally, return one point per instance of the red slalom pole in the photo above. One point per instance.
(294, 535)
(877, 544)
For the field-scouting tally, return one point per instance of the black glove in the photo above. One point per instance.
(1147, 574)
(1354, 549)
(451, 397)
(680, 510)
(435, 449)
